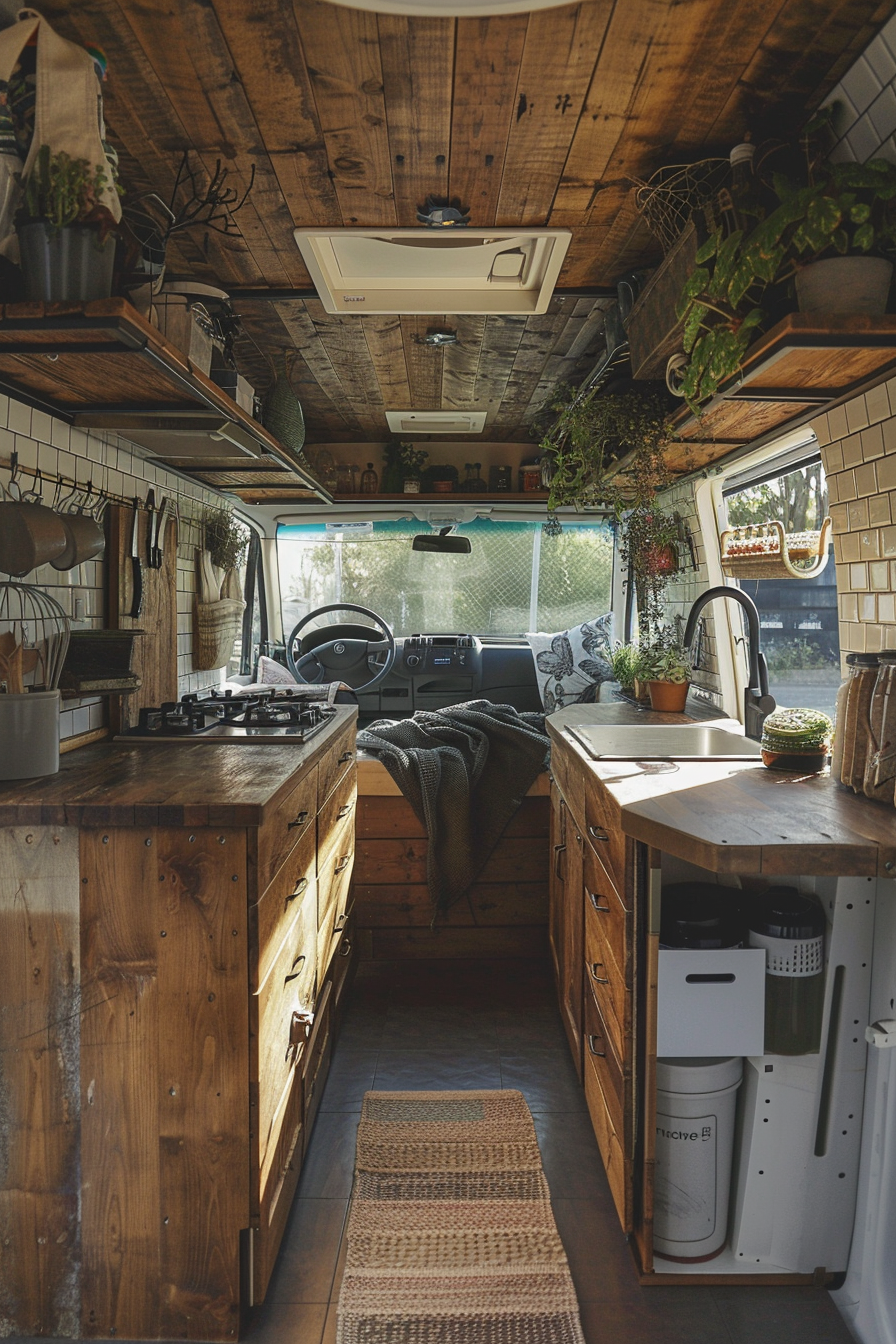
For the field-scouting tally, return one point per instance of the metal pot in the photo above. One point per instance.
(30, 533)
(65, 264)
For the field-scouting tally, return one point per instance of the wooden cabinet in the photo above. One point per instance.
(195, 1066)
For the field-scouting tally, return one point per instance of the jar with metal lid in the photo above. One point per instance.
(791, 928)
(701, 915)
(880, 763)
(852, 732)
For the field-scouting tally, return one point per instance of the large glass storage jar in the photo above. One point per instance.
(791, 928)
(852, 731)
(880, 762)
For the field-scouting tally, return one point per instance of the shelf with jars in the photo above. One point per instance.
(766, 551)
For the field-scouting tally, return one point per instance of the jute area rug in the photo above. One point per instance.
(451, 1238)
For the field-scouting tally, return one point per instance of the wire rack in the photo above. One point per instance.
(37, 623)
(673, 194)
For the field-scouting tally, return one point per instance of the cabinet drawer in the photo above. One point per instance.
(601, 1056)
(606, 913)
(278, 1183)
(277, 908)
(332, 910)
(603, 831)
(316, 1060)
(287, 990)
(344, 939)
(609, 989)
(337, 816)
(610, 1143)
(284, 828)
(569, 777)
(338, 758)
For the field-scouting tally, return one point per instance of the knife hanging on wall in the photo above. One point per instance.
(136, 565)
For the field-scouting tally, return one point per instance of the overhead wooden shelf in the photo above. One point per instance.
(803, 364)
(102, 366)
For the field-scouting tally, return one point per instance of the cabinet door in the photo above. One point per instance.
(559, 822)
(571, 948)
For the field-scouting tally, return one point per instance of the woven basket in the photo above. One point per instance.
(784, 558)
(215, 627)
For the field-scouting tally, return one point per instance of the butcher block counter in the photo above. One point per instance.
(176, 930)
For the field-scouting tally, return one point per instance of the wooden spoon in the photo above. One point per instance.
(11, 671)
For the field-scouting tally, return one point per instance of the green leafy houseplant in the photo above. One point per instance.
(624, 662)
(664, 658)
(226, 539)
(401, 460)
(843, 209)
(61, 191)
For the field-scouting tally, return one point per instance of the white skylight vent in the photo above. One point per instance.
(436, 422)
(425, 271)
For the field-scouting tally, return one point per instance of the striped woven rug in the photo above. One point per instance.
(451, 1239)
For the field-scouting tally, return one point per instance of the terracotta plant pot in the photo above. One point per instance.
(845, 285)
(668, 697)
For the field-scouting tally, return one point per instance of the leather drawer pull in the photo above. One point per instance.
(344, 811)
(597, 833)
(299, 821)
(343, 863)
(346, 756)
(720, 978)
(296, 969)
(600, 979)
(601, 1054)
(594, 899)
(300, 887)
(346, 948)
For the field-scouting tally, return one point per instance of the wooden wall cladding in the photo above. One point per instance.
(352, 119)
(41, 1107)
(504, 913)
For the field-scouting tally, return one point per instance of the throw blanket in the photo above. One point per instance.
(465, 771)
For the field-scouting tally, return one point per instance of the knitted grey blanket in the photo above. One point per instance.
(465, 771)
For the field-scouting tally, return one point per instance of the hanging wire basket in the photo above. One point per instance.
(672, 195)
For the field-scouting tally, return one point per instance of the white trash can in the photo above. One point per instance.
(695, 1104)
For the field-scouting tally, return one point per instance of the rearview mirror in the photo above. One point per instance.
(443, 543)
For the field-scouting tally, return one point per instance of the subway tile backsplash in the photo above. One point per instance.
(111, 463)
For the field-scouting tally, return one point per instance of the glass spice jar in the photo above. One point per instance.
(370, 482)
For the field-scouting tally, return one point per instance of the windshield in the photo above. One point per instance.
(516, 578)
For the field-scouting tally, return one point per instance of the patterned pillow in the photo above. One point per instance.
(570, 667)
(272, 673)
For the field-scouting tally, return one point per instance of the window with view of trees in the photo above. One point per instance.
(515, 579)
(800, 634)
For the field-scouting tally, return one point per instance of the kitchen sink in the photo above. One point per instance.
(665, 741)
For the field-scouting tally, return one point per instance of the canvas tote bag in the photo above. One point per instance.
(68, 113)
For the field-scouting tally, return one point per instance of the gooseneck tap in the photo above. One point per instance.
(758, 704)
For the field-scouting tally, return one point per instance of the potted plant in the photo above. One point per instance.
(624, 662)
(402, 465)
(440, 479)
(665, 666)
(66, 237)
(648, 546)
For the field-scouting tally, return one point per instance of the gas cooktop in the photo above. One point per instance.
(281, 714)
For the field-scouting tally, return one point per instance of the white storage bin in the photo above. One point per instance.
(711, 1002)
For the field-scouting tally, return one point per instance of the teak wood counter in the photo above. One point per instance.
(176, 929)
(616, 826)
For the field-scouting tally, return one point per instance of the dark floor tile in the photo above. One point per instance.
(432, 1070)
(600, 1259)
(530, 1028)
(474, 984)
(781, 1315)
(351, 1075)
(309, 1252)
(287, 1323)
(329, 1165)
(570, 1155)
(546, 1078)
(691, 1318)
(438, 1028)
(361, 1027)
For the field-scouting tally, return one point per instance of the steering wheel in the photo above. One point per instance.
(345, 657)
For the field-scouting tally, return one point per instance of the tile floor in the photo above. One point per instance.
(470, 1025)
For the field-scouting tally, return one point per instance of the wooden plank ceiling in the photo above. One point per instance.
(353, 118)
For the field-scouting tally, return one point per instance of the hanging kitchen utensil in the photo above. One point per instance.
(85, 538)
(136, 565)
(30, 533)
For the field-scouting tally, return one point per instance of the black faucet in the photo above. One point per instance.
(758, 704)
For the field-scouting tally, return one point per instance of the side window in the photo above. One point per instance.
(798, 617)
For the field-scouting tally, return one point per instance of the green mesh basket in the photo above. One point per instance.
(283, 416)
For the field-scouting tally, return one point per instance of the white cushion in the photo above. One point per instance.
(570, 666)
(272, 673)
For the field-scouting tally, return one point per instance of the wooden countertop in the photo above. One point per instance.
(737, 816)
(170, 784)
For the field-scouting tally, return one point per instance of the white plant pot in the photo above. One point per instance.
(845, 285)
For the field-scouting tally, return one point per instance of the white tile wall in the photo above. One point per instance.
(121, 468)
(866, 118)
(689, 583)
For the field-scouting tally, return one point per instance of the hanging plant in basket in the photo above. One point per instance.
(219, 608)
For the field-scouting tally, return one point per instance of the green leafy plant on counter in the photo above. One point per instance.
(226, 539)
(62, 191)
(624, 662)
(664, 658)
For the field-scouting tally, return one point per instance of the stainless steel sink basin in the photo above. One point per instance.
(665, 741)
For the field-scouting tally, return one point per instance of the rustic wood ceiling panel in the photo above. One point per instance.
(352, 119)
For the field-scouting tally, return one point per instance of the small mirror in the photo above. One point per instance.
(443, 543)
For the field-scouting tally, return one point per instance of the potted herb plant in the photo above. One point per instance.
(66, 237)
(624, 662)
(665, 666)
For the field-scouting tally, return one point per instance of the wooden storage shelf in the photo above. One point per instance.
(463, 496)
(101, 365)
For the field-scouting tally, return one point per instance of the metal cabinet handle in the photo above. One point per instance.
(295, 969)
(299, 821)
(601, 1054)
(558, 850)
(299, 1030)
(346, 756)
(300, 887)
(599, 979)
(346, 947)
(343, 863)
(597, 833)
(341, 923)
(595, 901)
(344, 811)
